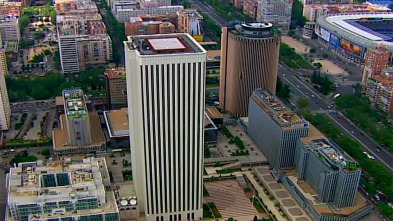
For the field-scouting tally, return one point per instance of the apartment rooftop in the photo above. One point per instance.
(9, 21)
(191, 13)
(74, 103)
(283, 116)
(164, 44)
(116, 73)
(332, 155)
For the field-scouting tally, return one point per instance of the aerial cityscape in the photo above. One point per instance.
(171, 110)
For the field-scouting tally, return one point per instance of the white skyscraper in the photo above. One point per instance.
(5, 109)
(166, 92)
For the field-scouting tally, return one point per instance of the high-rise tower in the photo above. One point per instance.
(166, 91)
(249, 60)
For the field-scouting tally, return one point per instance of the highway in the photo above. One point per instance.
(207, 9)
(319, 103)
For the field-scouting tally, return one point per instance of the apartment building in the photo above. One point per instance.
(60, 190)
(76, 7)
(250, 7)
(375, 60)
(5, 109)
(82, 41)
(275, 128)
(190, 21)
(123, 10)
(140, 27)
(10, 30)
(277, 12)
(379, 90)
(80, 130)
(116, 88)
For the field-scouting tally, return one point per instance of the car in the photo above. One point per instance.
(297, 86)
(316, 102)
(378, 150)
(312, 95)
(352, 132)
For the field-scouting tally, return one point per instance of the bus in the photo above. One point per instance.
(336, 96)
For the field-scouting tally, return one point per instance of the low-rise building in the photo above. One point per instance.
(80, 8)
(275, 128)
(278, 12)
(139, 27)
(116, 88)
(61, 190)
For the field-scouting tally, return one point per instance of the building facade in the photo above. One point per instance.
(10, 30)
(379, 90)
(61, 190)
(140, 27)
(5, 109)
(190, 21)
(330, 172)
(277, 12)
(166, 93)
(275, 128)
(374, 62)
(249, 60)
(116, 87)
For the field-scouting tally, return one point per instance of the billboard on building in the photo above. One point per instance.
(334, 39)
(323, 33)
(351, 47)
(198, 38)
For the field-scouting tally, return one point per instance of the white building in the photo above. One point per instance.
(277, 12)
(65, 189)
(9, 30)
(5, 109)
(166, 93)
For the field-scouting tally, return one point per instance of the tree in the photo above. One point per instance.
(24, 22)
(317, 65)
(291, 33)
(303, 103)
(187, 4)
(46, 152)
(325, 56)
(282, 90)
(297, 14)
(313, 50)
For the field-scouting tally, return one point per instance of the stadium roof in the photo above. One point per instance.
(338, 25)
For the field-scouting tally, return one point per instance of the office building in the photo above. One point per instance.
(379, 90)
(116, 88)
(166, 94)
(249, 60)
(250, 7)
(375, 60)
(190, 21)
(275, 128)
(10, 30)
(79, 8)
(60, 190)
(79, 131)
(5, 109)
(332, 173)
(277, 12)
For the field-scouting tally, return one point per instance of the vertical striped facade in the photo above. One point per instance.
(248, 62)
(166, 95)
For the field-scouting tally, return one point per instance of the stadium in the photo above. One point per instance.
(349, 35)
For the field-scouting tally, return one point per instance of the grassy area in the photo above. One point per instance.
(205, 192)
(29, 143)
(127, 174)
(210, 211)
(22, 157)
(292, 59)
(380, 176)
(258, 205)
(225, 171)
(358, 110)
(225, 130)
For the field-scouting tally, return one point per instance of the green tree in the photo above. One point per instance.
(297, 14)
(282, 90)
(313, 50)
(303, 103)
(317, 65)
(187, 4)
(24, 22)
(325, 56)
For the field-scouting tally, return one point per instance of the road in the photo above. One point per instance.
(319, 103)
(207, 9)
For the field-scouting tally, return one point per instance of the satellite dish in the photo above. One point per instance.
(133, 202)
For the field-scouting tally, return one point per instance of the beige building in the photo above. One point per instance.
(94, 49)
(249, 60)
(5, 109)
(190, 22)
(9, 30)
(116, 87)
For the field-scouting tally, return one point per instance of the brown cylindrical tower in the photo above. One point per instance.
(249, 60)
